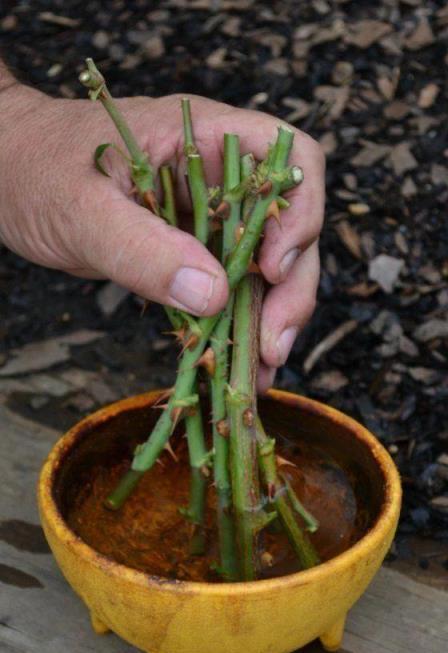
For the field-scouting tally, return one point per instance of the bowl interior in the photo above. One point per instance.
(109, 437)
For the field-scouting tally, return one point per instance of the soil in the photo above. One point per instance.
(374, 94)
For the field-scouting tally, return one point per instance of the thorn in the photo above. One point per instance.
(179, 334)
(163, 395)
(271, 491)
(239, 231)
(265, 188)
(223, 210)
(205, 471)
(282, 462)
(267, 559)
(211, 212)
(169, 448)
(215, 225)
(253, 268)
(190, 411)
(150, 201)
(273, 212)
(208, 361)
(160, 406)
(145, 307)
(190, 343)
(176, 415)
(248, 417)
(160, 462)
(223, 428)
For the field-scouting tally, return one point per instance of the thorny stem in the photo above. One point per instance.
(196, 177)
(240, 257)
(220, 346)
(193, 422)
(277, 496)
(197, 452)
(236, 267)
(241, 402)
(141, 172)
(169, 202)
(310, 521)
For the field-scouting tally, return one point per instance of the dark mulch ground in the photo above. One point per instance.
(367, 80)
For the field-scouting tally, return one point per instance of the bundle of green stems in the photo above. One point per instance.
(239, 460)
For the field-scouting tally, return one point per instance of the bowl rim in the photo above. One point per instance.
(384, 523)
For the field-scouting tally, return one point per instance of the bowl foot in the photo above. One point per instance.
(332, 639)
(98, 626)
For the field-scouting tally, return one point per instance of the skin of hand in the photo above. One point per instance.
(59, 212)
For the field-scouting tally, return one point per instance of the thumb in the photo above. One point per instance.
(139, 251)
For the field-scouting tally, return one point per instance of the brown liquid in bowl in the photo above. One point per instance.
(149, 533)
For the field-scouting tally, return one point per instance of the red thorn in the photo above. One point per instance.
(281, 462)
(149, 200)
(248, 417)
(239, 231)
(190, 343)
(215, 225)
(223, 428)
(267, 559)
(176, 415)
(223, 210)
(265, 188)
(253, 268)
(169, 448)
(273, 212)
(163, 395)
(145, 307)
(271, 491)
(179, 334)
(208, 361)
(160, 406)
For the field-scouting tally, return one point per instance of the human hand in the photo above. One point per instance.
(61, 213)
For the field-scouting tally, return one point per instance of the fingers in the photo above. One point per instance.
(265, 378)
(287, 308)
(137, 250)
(301, 223)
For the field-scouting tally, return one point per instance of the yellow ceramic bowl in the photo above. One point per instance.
(278, 615)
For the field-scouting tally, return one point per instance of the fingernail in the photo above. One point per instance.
(192, 289)
(285, 342)
(288, 261)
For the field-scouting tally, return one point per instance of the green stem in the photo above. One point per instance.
(199, 196)
(198, 483)
(141, 171)
(311, 522)
(299, 541)
(239, 259)
(193, 423)
(196, 177)
(236, 267)
(219, 343)
(189, 145)
(169, 201)
(241, 401)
